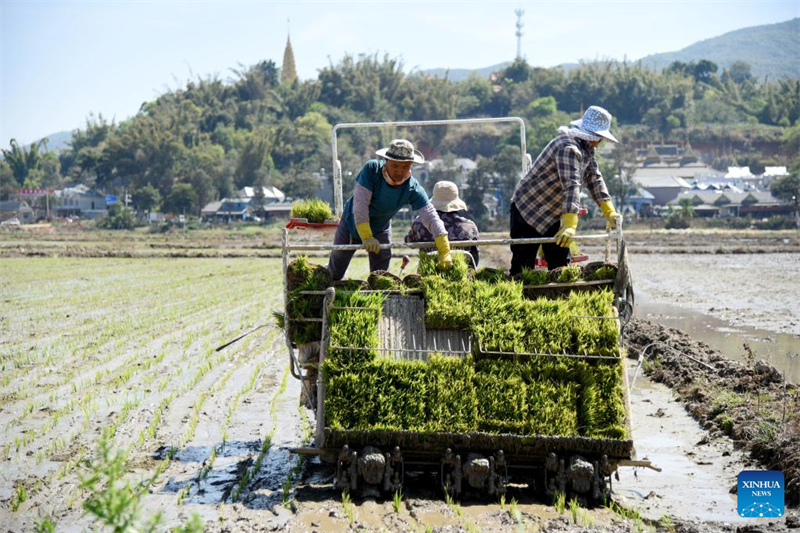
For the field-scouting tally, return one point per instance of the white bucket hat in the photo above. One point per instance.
(445, 197)
(597, 121)
(401, 150)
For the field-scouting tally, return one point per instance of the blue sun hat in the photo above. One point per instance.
(596, 121)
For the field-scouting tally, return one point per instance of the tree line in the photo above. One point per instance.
(204, 141)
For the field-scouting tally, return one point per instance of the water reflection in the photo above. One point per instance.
(778, 349)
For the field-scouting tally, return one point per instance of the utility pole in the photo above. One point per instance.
(519, 33)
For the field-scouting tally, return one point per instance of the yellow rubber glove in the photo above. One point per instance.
(611, 215)
(371, 244)
(443, 245)
(569, 225)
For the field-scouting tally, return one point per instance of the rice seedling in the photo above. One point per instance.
(303, 276)
(194, 525)
(568, 274)
(559, 501)
(429, 266)
(514, 512)
(503, 501)
(530, 276)
(448, 303)
(472, 528)
(20, 495)
(44, 525)
(490, 275)
(547, 396)
(182, 494)
(347, 505)
(574, 507)
(666, 523)
(397, 501)
(315, 210)
(604, 273)
(454, 505)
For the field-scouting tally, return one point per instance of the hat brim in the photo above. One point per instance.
(418, 157)
(449, 206)
(606, 134)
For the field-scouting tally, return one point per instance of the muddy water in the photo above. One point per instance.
(782, 350)
(697, 472)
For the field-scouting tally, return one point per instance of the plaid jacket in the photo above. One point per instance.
(552, 185)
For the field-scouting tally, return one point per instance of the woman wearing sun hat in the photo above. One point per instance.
(546, 201)
(452, 210)
(382, 188)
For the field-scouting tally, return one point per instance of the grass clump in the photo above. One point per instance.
(315, 211)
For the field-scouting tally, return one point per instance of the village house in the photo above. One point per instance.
(80, 201)
(16, 209)
(714, 202)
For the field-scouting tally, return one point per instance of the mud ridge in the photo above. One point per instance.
(750, 403)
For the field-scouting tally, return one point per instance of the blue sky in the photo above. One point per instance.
(61, 60)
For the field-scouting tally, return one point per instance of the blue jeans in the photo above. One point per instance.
(339, 260)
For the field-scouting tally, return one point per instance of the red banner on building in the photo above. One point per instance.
(35, 192)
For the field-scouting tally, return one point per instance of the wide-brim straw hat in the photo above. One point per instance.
(445, 197)
(401, 150)
(597, 121)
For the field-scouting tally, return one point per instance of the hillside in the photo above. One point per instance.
(58, 141)
(771, 50)
(458, 74)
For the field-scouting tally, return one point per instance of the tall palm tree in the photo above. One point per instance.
(23, 161)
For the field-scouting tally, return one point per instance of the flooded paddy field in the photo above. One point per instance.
(123, 351)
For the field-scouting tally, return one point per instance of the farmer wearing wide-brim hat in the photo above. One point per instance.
(452, 210)
(546, 201)
(382, 188)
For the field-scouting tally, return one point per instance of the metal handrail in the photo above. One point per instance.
(337, 167)
(453, 244)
